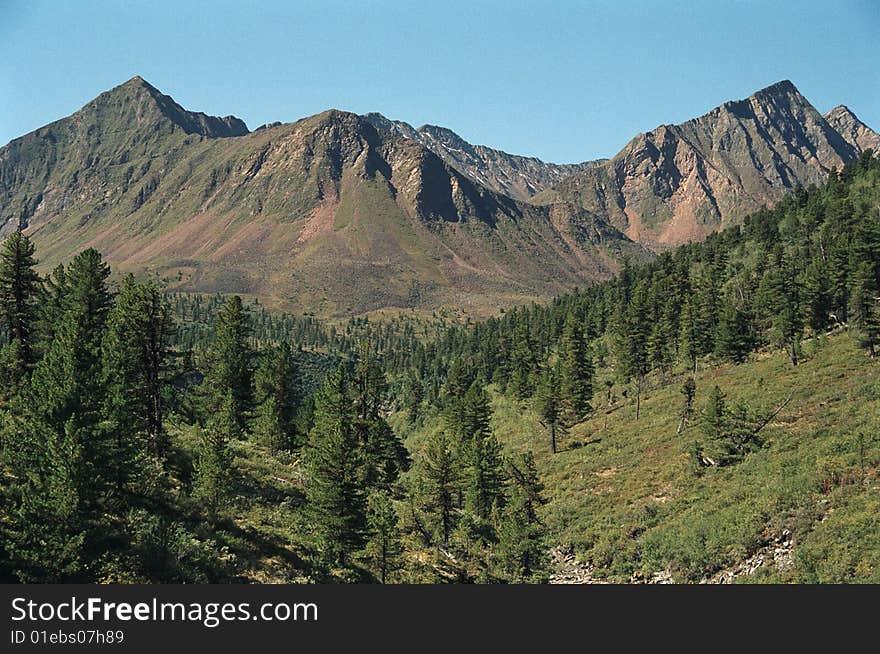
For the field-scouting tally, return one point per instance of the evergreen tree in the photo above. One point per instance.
(520, 552)
(335, 492)
(67, 388)
(19, 287)
(734, 339)
(136, 350)
(549, 405)
(576, 372)
(631, 342)
(689, 337)
(45, 534)
(779, 299)
(384, 548)
(438, 471)
(865, 309)
(229, 362)
(277, 396)
(818, 298)
(384, 455)
(212, 484)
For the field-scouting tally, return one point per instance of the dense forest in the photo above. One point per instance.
(139, 426)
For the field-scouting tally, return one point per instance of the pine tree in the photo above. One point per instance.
(576, 372)
(779, 299)
(229, 362)
(19, 287)
(135, 351)
(67, 386)
(631, 342)
(438, 470)
(734, 339)
(818, 298)
(689, 337)
(384, 454)
(865, 306)
(277, 396)
(212, 483)
(384, 548)
(520, 552)
(335, 493)
(45, 536)
(549, 405)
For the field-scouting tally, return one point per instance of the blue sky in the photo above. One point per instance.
(565, 82)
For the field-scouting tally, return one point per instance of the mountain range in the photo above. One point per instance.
(678, 183)
(342, 214)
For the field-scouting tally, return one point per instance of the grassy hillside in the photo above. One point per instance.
(624, 494)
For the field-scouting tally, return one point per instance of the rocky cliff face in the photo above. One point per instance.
(679, 183)
(512, 175)
(326, 214)
(854, 131)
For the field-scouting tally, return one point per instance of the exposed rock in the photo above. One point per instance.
(516, 176)
(325, 214)
(854, 131)
(776, 555)
(679, 183)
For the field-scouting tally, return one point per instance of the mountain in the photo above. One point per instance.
(679, 183)
(326, 214)
(512, 175)
(854, 131)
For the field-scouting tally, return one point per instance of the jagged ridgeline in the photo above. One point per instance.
(327, 214)
(708, 413)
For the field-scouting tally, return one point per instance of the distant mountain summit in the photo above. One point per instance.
(513, 175)
(326, 214)
(342, 214)
(679, 183)
(854, 131)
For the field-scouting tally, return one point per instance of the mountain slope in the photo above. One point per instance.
(854, 131)
(325, 214)
(679, 183)
(512, 175)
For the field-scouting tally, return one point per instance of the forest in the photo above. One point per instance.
(139, 426)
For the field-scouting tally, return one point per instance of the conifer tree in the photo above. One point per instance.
(384, 455)
(818, 297)
(865, 309)
(135, 351)
(548, 404)
(631, 342)
(277, 397)
(67, 386)
(19, 287)
(576, 372)
(438, 469)
(734, 340)
(779, 299)
(229, 362)
(335, 491)
(384, 548)
(45, 536)
(520, 552)
(212, 483)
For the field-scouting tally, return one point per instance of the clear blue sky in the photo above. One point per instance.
(565, 82)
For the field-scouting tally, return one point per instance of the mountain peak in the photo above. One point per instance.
(191, 122)
(784, 86)
(853, 130)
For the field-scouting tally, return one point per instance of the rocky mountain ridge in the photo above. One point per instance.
(678, 183)
(513, 175)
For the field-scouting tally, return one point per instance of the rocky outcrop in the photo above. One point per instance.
(679, 183)
(853, 130)
(515, 176)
